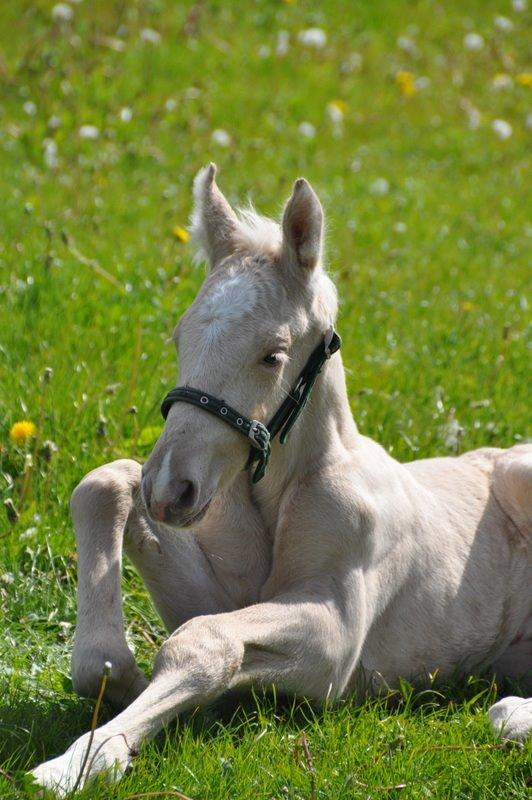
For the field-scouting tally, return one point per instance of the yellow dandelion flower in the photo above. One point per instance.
(406, 82)
(524, 79)
(181, 234)
(466, 306)
(21, 432)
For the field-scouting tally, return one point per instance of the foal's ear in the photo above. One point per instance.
(303, 226)
(213, 220)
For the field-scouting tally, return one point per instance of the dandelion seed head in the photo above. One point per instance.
(474, 42)
(221, 137)
(88, 132)
(312, 37)
(62, 12)
(502, 81)
(307, 130)
(150, 36)
(503, 24)
(283, 43)
(50, 153)
(379, 187)
(502, 129)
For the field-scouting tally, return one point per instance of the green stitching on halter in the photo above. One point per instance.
(282, 421)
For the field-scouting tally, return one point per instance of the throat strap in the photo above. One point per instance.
(282, 421)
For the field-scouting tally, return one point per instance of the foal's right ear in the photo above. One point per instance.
(303, 227)
(214, 222)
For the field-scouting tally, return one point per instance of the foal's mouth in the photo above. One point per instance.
(188, 521)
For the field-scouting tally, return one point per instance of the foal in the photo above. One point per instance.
(330, 570)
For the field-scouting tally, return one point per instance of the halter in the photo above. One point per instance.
(283, 420)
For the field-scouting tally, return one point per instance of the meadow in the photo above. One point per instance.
(412, 121)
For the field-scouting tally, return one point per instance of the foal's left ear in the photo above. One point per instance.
(303, 226)
(214, 223)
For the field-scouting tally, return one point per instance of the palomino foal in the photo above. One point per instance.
(337, 572)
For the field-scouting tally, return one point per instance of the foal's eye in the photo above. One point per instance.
(272, 359)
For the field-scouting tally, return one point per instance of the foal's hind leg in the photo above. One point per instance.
(108, 516)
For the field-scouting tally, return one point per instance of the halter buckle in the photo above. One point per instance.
(259, 434)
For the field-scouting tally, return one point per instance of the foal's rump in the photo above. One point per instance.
(512, 487)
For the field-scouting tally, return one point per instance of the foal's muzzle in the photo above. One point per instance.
(177, 510)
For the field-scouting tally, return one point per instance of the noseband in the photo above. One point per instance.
(282, 421)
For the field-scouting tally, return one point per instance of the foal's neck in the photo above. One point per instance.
(323, 433)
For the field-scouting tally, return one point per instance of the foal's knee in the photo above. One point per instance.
(210, 655)
(105, 491)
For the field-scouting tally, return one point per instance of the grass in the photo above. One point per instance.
(428, 238)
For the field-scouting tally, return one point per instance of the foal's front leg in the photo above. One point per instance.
(108, 518)
(297, 642)
(101, 505)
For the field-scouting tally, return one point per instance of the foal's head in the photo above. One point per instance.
(264, 305)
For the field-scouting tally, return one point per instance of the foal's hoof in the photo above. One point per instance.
(108, 758)
(511, 718)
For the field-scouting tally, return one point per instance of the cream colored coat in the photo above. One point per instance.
(340, 572)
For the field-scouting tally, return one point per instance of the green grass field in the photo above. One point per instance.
(415, 137)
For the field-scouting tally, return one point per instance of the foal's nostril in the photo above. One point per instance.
(184, 496)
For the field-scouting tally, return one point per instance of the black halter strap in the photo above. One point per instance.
(282, 421)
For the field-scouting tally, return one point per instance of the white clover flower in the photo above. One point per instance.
(54, 122)
(400, 227)
(7, 578)
(307, 130)
(502, 129)
(88, 132)
(283, 43)
(264, 51)
(50, 153)
(473, 42)
(312, 37)
(528, 121)
(171, 104)
(62, 12)
(221, 137)
(150, 35)
(503, 23)
(29, 108)
(519, 5)
(126, 114)
(379, 187)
